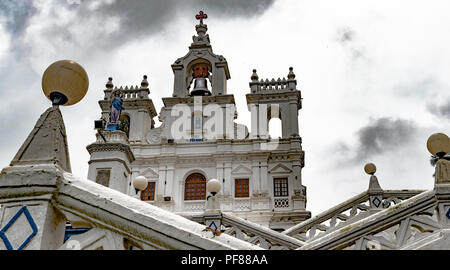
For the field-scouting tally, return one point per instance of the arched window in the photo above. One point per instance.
(125, 124)
(274, 122)
(275, 128)
(195, 187)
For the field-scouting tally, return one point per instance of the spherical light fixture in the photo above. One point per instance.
(438, 144)
(213, 186)
(370, 168)
(65, 82)
(140, 183)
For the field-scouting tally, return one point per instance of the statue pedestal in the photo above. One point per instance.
(111, 127)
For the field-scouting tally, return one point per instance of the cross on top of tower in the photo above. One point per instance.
(200, 16)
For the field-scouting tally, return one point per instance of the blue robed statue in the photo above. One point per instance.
(116, 109)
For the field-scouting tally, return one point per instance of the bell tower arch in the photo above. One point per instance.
(200, 62)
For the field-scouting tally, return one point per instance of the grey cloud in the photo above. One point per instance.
(347, 37)
(441, 111)
(379, 136)
(418, 87)
(16, 14)
(137, 18)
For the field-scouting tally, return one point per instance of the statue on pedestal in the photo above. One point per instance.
(116, 109)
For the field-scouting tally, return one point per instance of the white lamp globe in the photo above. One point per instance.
(213, 186)
(140, 183)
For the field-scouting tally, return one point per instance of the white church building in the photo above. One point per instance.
(208, 184)
(198, 140)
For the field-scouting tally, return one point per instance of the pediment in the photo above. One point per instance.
(150, 174)
(241, 169)
(280, 168)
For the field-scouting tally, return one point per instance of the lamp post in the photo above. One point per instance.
(212, 212)
(65, 82)
(140, 183)
(438, 145)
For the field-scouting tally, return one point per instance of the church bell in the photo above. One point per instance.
(200, 87)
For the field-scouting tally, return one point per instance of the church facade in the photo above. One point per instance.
(199, 140)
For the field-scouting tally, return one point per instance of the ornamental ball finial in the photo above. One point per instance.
(438, 144)
(254, 76)
(109, 84)
(370, 168)
(65, 82)
(291, 74)
(144, 83)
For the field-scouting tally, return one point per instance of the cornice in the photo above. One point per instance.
(270, 97)
(131, 104)
(105, 147)
(221, 99)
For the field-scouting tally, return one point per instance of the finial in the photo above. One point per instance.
(374, 186)
(370, 168)
(254, 76)
(144, 83)
(291, 74)
(109, 84)
(438, 145)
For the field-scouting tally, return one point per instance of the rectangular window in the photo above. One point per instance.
(103, 177)
(241, 188)
(148, 194)
(280, 187)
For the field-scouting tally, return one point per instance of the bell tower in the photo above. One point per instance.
(201, 66)
(274, 99)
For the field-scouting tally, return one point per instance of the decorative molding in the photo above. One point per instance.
(150, 173)
(280, 168)
(11, 222)
(105, 147)
(110, 160)
(242, 170)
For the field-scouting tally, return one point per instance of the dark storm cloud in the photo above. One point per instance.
(379, 136)
(137, 18)
(16, 14)
(441, 111)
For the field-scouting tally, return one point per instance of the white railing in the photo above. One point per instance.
(281, 202)
(241, 204)
(343, 213)
(257, 234)
(194, 206)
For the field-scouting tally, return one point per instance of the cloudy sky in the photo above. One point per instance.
(374, 75)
